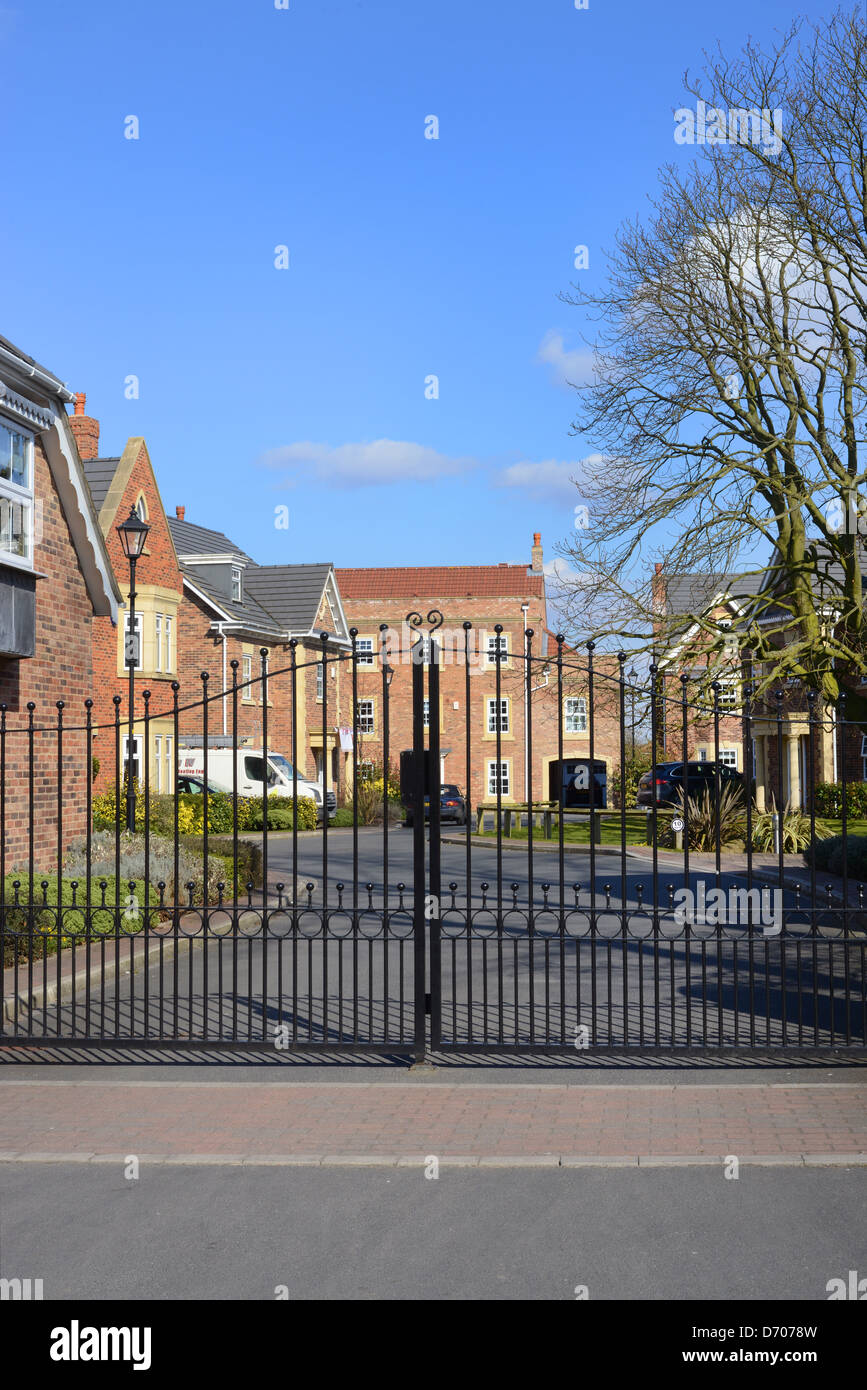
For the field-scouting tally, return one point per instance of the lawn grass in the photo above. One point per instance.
(636, 831)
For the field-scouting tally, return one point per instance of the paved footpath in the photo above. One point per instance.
(84, 1119)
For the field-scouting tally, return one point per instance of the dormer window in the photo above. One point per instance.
(236, 584)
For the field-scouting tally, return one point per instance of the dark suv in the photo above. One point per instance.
(669, 781)
(453, 806)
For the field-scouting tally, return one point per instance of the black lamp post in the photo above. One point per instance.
(632, 676)
(133, 534)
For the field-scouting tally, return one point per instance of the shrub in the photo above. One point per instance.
(828, 799)
(371, 792)
(830, 854)
(703, 815)
(281, 814)
(104, 808)
(796, 829)
(344, 816)
(634, 768)
(45, 913)
(249, 857)
(161, 861)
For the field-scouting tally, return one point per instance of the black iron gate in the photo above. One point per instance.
(535, 923)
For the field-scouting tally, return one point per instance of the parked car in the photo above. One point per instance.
(195, 786)
(453, 806)
(669, 781)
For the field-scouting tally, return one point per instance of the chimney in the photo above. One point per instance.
(658, 595)
(85, 429)
(536, 553)
(180, 512)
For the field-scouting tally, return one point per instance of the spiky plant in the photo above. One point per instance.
(795, 826)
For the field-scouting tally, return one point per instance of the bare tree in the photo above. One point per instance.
(728, 397)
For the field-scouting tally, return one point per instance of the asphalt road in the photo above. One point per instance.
(205, 1232)
(498, 986)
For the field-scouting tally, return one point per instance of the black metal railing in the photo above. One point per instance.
(586, 925)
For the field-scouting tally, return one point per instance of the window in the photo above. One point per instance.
(728, 757)
(158, 640)
(364, 648)
(16, 494)
(501, 641)
(575, 714)
(126, 646)
(170, 660)
(492, 716)
(365, 716)
(498, 783)
(365, 772)
(141, 508)
(320, 680)
(247, 675)
(236, 584)
(158, 762)
(426, 714)
(169, 780)
(728, 694)
(136, 757)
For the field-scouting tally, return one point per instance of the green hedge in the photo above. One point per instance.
(831, 854)
(249, 856)
(828, 798)
(45, 926)
(281, 814)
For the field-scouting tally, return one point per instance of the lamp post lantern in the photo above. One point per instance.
(133, 534)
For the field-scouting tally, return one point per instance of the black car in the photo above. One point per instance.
(669, 782)
(453, 806)
(196, 787)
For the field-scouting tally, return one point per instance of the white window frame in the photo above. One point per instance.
(504, 779)
(20, 495)
(366, 723)
(505, 714)
(137, 756)
(246, 675)
(578, 714)
(320, 679)
(237, 590)
(366, 650)
(731, 685)
(168, 632)
(168, 753)
(425, 718)
(728, 757)
(495, 639)
(158, 762)
(158, 641)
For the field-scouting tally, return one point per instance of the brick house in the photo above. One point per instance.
(232, 610)
(700, 621)
(56, 585)
(202, 603)
(118, 485)
(484, 595)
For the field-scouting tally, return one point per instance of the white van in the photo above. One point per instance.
(191, 763)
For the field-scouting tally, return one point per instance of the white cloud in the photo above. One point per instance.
(379, 461)
(567, 368)
(550, 479)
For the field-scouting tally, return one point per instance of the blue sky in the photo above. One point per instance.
(408, 257)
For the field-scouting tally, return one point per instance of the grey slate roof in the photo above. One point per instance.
(190, 539)
(290, 593)
(99, 474)
(278, 600)
(248, 612)
(688, 594)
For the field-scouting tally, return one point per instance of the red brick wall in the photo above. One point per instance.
(158, 566)
(484, 614)
(60, 669)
